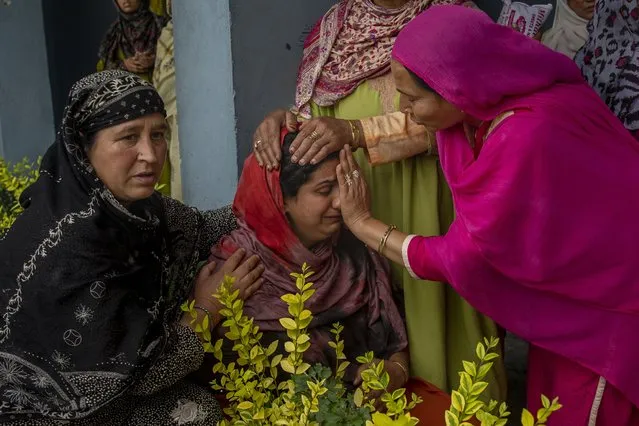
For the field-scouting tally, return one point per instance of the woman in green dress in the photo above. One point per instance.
(345, 88)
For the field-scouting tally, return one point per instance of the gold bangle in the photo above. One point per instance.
(354, 135)
(382, 243)
(404, 369)
(206, 312)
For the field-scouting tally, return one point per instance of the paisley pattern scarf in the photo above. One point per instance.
(349, 45)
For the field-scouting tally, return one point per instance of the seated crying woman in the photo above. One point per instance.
(292, 216)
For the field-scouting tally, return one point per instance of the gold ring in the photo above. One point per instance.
(257, 144)
(315, 135)
(348, 180)
(355, 174)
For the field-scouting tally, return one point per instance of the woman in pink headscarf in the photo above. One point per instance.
(546, 189)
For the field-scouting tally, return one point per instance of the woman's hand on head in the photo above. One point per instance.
(354, 194)
(320, 137)
(246, 271)
(266, 139)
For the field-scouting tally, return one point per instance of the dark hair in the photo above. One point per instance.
(421, 83)
(292, 175)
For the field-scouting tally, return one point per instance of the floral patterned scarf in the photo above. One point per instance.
(349, 45)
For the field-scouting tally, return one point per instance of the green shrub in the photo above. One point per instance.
(311, 395)
(466, 403)
(13, 180)
(314, 395)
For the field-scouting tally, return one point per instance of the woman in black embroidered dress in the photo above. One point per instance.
(93, 274)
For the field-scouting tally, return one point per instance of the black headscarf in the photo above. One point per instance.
(86, 292)
(131, 32)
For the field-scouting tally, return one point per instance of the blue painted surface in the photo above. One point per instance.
(25, 93)
(204, 75)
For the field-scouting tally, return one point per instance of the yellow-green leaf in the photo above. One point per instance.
(470, 368)
(342, 366)
(458, 402)
(289, 299)
(473, 407)
(303, 338)
(305, 402)
(358, 397)
(480, 351)
(527, 418)
(478, 388)
(288, 323)
(381, 419)
(484, 369)
(254, 351)
(246, 405)
(303, 323)
(301, 348)
(302, 368)
(307, 294)
(465, 381)
(259, 415)
(451, 419)
(305, 314)
(287, 366)
(376, 385)
(491, 356)
(272, 348)
(289, 346)
(276, 360)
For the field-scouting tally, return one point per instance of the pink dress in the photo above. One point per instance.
(535, 310)
(546, 236)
